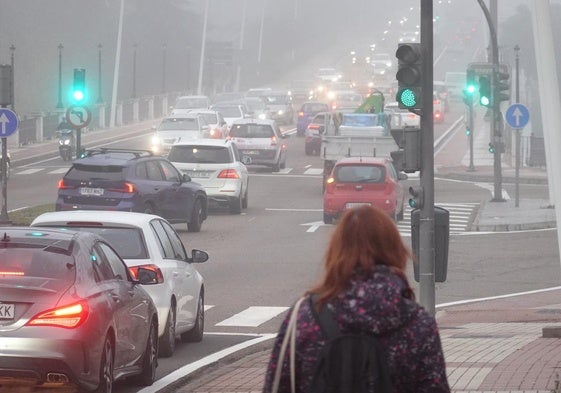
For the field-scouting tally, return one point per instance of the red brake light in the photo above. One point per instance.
(69, 317)
(300, 114)
(11, 273)
(159, 275)
(228, 174)
(127, 188)
(62, 186)
(273, 141)
(313, 126)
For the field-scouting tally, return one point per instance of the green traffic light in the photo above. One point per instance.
(468, 132)
(484, 100)
(491, 148)
(78, 95)
(470, 89)
(412, 203)
(408, 98)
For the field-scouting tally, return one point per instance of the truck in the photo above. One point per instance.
(363, 133)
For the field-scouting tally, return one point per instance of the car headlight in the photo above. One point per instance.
(331, 95)
(280, 112)
(262, 116)
(156, 140)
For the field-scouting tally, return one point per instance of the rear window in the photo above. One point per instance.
(360, 120)
(278, 99)
(360, 173)
(314, 108)
(178, 123)
(228, 111)
(97, 172)
(188, 103)
(210, 118)
(36, 266)
(200, 154)
(252, 131)
(128, 242)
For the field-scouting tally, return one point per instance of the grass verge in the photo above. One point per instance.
(23, 217)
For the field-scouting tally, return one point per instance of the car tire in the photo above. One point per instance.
(327, 219)
(106, 368)
(309, 151)
(149, 208)
(148, 374)
(276, 167)
(236, 205)
(245, 199)
(167, 341)
(195, 335)
(196, 221)
(283, 163)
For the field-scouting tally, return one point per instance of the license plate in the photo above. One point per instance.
(251, 152)
(198, 175)
(351, 205)
(7, 311)
(91, 191)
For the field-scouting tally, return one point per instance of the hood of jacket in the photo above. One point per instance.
(374, 303)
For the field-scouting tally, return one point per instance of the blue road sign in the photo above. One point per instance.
(8, 122)
(517, 116)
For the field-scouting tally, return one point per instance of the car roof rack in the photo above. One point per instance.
(103, 150)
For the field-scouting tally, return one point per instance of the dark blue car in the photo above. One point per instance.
(306, 114)
(132, 180)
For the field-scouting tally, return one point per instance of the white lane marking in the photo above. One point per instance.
(208, 306)
(313, 171)
(30, 171)
(313, 226)
(283, 171)
(292, 210)
(212, 358)
(252, 316)
(58, 171)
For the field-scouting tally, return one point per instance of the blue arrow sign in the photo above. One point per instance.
(517, 116)
(8, 122)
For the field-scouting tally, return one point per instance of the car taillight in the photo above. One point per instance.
(62, 185)
(330, 185)
(69, 317)
(154, 268)
(273, 141)
(436, 102)
(300, 114)
(437, 115)
(228, 174)
(127, 188)
(314, 126)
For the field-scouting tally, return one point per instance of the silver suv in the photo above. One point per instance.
(260, 142)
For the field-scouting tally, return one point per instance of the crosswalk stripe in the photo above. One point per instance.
(58, 171)
(252, 316)
(313, 171)
(30, 171)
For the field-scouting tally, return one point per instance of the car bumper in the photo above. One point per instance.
(122, 206)
(260, 157)
(336, 206)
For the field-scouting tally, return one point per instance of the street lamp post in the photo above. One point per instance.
(99, 99)
(203, 46)
(134, 71)
(59, 105)
(517, 141)
(12, 51)
(163, 68)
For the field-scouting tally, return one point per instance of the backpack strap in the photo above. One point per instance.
(324, 318)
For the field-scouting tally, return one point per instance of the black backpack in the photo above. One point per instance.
(349, 363)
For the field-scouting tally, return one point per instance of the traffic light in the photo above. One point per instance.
(470, 88)
(491, 148)
(468, 132)
(408, 158)
(409, 72)
(502, 91)
(417, 200)
(79, 85)
(485, 91)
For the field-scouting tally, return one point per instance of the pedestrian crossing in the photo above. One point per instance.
(461, 215)
(250, 317)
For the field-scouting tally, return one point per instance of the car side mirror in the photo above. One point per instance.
(147, 276)
(198, 256)
(185, 178)
(402, 176)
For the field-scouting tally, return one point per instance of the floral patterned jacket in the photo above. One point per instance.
(375, 305)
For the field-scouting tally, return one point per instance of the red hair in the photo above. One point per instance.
(364, 237)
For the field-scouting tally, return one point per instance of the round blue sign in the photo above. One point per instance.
(8, 122)
(517, 116)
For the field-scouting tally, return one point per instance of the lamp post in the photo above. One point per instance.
(163, 68)
(134, 71)
(99, 99)
(12, 51)
(517, 141)
(59, 105)
(203, 46)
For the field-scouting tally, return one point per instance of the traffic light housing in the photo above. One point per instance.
(409, 76)
(417, 200)
(79, 86)
(470, 88)
(503, 86)
(408, 158)
(485, 91)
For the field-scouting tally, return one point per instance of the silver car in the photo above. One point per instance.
(260, 142)
(172, 129)
(71, 313)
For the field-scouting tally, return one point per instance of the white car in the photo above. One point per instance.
(216, 165)
(175, 128)
(217, 126)
(231, 112)
(185, 104)
(149, 241)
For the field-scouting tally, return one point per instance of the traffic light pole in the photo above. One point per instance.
(426, 231)
(470, 127)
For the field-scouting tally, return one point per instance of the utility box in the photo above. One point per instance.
(441, 242)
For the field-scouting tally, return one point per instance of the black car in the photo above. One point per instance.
(132, 180)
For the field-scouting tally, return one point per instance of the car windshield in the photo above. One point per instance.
(315, 108)
(252, 131)
(178, 123)
(277, 99)
(199, 154)
(228, 111)
(188, 103)
(354, 120)
(359, 174)
(255, 105)
(97, 172)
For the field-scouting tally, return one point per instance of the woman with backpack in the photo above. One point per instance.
(362, 315)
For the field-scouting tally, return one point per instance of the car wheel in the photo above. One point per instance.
(245, 199)
(197, 332)
(327, 219)
(106, 369)
(167, 341)
(196, 221)
(276, 167)
(236, 205)
(149, 208)
(148, 374)
(283, 164)
(308, 150)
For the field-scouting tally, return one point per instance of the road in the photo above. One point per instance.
(262, 260)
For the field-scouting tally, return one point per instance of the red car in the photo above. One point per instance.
(356, 181)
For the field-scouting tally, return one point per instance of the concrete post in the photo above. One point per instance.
(135, 110)
(101, 116)
(119, 113)
(165, 109)
(150, 108)
(39, 127)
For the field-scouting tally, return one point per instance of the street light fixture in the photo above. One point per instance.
(59, 104)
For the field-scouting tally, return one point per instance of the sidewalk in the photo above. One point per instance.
(506, 350)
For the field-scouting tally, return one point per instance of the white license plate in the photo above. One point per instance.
(198, 175)
(91, 191)
(351, 205)
(7, 311)
(252, 152)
